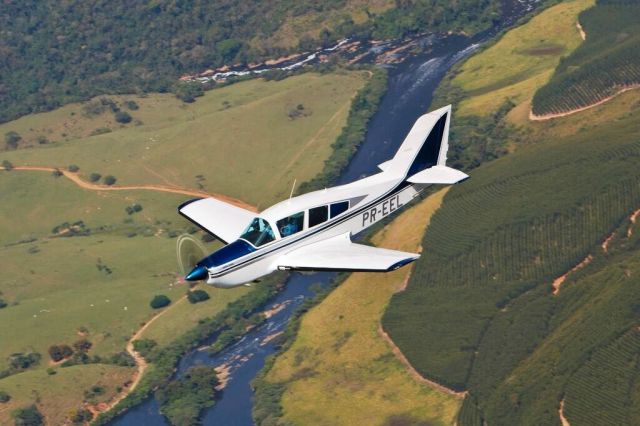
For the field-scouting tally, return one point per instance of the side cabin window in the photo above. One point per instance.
(258, 232)
(318, 215)
(291, 224)
(339, 208)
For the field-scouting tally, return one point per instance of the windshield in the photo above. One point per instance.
(258, 232)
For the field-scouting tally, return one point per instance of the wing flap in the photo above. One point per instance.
(340, 254)
(222, 220)
(439, 175)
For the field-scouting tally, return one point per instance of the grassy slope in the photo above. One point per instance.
(56, 282)
(339, 370)
(234, 136)
(61, 393)
(520, 62)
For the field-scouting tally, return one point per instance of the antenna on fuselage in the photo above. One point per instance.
(292, 188)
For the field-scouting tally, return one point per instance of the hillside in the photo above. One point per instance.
(55, 53)
(337, 369)
(526, 293)
(165, 135)
(606, 63)
(82, 263)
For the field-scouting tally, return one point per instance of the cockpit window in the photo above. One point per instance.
(318, 215)
(258, 232)
(290, 225)
(339, 208)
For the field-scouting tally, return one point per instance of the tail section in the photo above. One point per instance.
(422, 156)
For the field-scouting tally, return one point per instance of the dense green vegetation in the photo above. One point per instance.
(606, 62)
(58, 53)
(479, 309)
(182, 400)
(28, 416)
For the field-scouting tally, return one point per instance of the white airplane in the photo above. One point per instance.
(312, 232)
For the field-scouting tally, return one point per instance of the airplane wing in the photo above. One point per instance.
(222, 220)
(340, 254)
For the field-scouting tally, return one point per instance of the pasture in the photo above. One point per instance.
(249, 140)
(76, 264)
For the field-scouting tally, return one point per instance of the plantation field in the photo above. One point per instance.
(60, 394)
(522, 60)
(607, 62)
(478, 313)
(229, 139)
(340, 370)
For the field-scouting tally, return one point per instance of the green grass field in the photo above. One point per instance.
(103, 281)
(339, 370)
(62, 393)
(520, 61)
(232, 137)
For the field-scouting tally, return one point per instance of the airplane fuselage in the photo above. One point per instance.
(378, 199)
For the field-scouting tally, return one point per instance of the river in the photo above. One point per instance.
(409, 94)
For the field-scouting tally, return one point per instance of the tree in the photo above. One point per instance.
(109, 180)
(4, 397)
(3, 303)
(187, 91)
(82, 416)
(73, 168)
(196, 296)
(94, 177)
(6, 164)
(123, 117)
(82, 345)
(159, 301)
(132, 105)
(57, 173)
(28, 416)
(12, 139)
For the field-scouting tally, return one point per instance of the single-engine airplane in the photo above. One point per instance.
(312, 232)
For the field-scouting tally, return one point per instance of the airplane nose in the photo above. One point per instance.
(198, 273)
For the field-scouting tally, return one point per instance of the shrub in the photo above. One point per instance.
(123, 117)
(82, 345)
(56, 173)
(3, 303)
(28, 416)
(135, 208)
(94, 177)
(6, 164)
(4, 397)
(132, 105)
(82, 416)
(159, 301)
(196, 296)
(51, 371)
(42, 140)
(144, 346)
(73, 168)
(109, 180)
(60, 352)
(12, 139)
(20, 361)
(100, 131)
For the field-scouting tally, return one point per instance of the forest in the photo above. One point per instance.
(53, 53)
(607, 62)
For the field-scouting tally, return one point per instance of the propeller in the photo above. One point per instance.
(189, 251)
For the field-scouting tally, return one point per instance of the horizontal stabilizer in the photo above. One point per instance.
(340, 254)
(438, 175)
(384, 166)
(222, 220)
